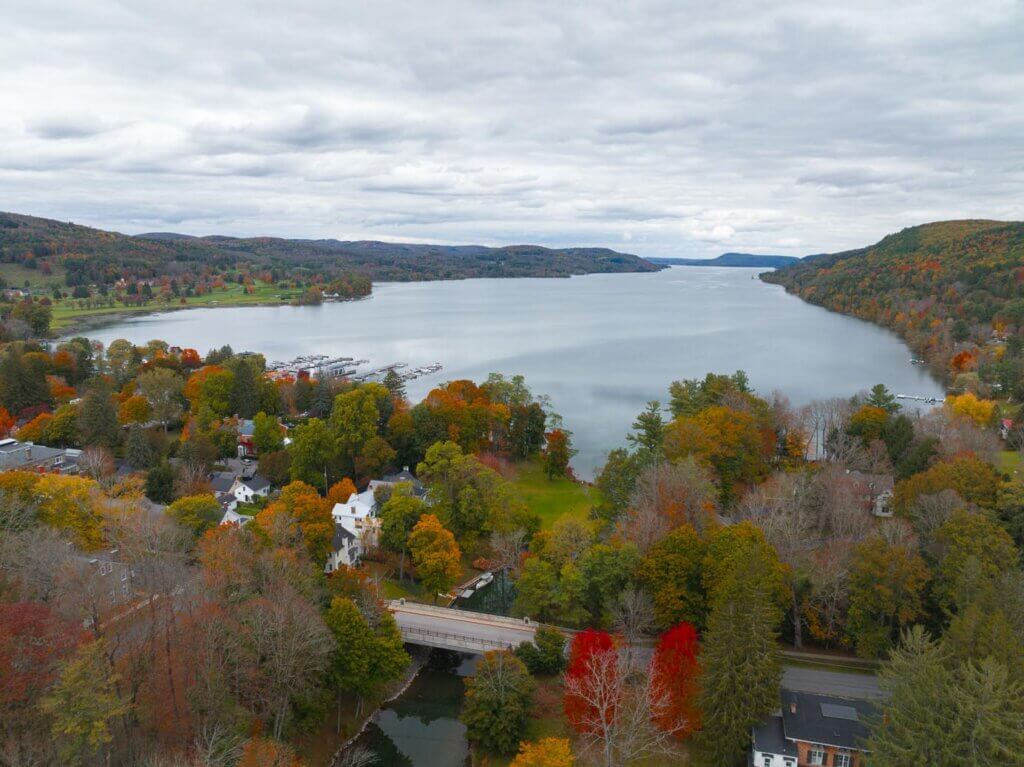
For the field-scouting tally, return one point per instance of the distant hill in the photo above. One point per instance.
(953, 289)
(96, 256)
(731, 259)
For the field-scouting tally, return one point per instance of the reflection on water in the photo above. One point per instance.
(421, 727)
(496, 598)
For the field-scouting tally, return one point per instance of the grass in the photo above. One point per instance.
(17, 275)
(1010, 461)
(67, 312)
(551, 499)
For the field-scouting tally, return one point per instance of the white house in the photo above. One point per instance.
(358, 515)
(875, 491)
(232, 517)
(247, 489)
(345, 549)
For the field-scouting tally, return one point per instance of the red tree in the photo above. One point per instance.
(676, 670)
(592, 658)
(33, 641)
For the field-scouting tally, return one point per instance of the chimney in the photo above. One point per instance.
(792, 706)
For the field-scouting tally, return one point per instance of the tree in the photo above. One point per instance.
(267, 752)
(244, 397)
(394, 384)
(97, 418)
(967, 405)
(616, 482)
(526, 429)
(880, 397)
(742, 667)
(558, 454)
(677, 670)
(162, 388)
(398, 517)
(606, 570)
(435, 554)
(974, 480)
(648, 431)
(267, 433)
(374, 456)
(84, 702)
(944, 714)
(135, 409)
(160, 483)
(198, 513)
(341, 491)
(313, 451)
(497, 702)
(535, 590)
(666, 496)
(210, 388)
(546, 653)
(672, 573)
(299, 517)
(363, 658)
(614, 710)
(356, 417)
(138, 449)
(275, 466)
(970, 539)
(886, 590)
(546, 752)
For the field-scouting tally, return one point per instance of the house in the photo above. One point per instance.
(813, 730)
(26, 456)
(106, 576)
(232, 517)
(1004, 428)
(246, 447)
(248, 489)
(874, 491)
(222, 482)
(228, 502)
(403, 477)
(345, 549)
(358, 515)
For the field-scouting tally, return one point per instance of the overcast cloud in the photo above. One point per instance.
(659, 128)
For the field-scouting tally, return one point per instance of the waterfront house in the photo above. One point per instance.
(812, 730)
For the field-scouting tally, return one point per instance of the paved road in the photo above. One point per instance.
(504, 633)
(842, 684)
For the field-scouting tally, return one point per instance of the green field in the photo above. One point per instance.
(17, 275)
(551, 499)
(66, 312)
(1010, 461)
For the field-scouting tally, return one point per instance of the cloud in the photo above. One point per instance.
(678, 128)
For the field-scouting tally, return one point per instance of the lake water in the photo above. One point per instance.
(600, 346)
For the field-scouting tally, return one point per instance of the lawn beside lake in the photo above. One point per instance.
(551, 499)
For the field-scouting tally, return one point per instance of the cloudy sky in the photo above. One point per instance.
(659, 128)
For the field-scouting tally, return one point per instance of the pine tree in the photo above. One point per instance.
(97, 418)
(394, 384)
(648, 430)
(138, 450)
(245, 397)
(742, 668)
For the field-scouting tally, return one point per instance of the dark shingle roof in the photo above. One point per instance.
(825, 719)
(256, 483)
(340, 535)
(769, 736)
(221, 481)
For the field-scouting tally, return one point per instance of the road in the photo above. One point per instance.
(840, 683)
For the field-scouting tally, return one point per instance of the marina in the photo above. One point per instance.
(327, 366)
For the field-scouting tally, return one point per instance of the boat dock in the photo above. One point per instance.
(915, 398)
(326, 366)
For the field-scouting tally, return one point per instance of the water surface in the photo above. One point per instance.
(600, 345)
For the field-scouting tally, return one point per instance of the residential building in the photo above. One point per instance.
(106, 577)
(232, 517)
(248, 489)
(27, 456)
(874, 491)
(813, 730)
(1005, 425)
(358, 515)
(403, 477)
(345, 549)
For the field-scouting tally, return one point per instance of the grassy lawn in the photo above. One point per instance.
(551, 499)
(1010, 461)
(66, 312)
(16, 276)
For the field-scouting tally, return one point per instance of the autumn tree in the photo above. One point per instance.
(970, 539)
(672, 573)
(676, 669)
(267, 433)
(313, 452)
(97, 418)
(83, 703)
(546, 752)
(398, 517)
(162, 389)
(198, 513)
(299, 517)
(557, 454)
(435, 555)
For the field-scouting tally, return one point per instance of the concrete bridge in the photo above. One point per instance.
(459, 630)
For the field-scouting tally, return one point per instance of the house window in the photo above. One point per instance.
(815, 756)
(766, 760)
(843, 760)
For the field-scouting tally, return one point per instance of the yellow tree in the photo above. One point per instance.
(299, 517)
(73, 504)
(547, 752)
(435, 554)
(967, 405)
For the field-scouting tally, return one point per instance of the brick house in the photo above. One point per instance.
(811, 731)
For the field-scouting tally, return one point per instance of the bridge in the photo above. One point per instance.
(459, 630)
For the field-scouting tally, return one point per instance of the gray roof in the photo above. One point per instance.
(405, 476)
(246, 428)
(221, 481)
(826, 719)
(256, 483)
(771, 738)
(340, 535)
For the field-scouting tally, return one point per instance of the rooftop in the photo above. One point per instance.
(826, 719)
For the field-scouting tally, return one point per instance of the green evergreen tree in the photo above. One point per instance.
(160, 483)
(138, 450)
(742, 668)
(881, 397)
(245, 394)
(648, 431)
(394, 384)
(97, 418)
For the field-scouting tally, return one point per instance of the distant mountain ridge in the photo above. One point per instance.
(95, 252)
(732, 259)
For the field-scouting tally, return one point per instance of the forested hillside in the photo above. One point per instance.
(954, 290)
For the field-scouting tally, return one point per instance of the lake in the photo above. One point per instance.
(600, 346)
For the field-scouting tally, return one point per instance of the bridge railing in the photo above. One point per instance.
(398, 604)
(454, 639)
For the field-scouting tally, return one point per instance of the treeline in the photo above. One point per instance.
(953, 290)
